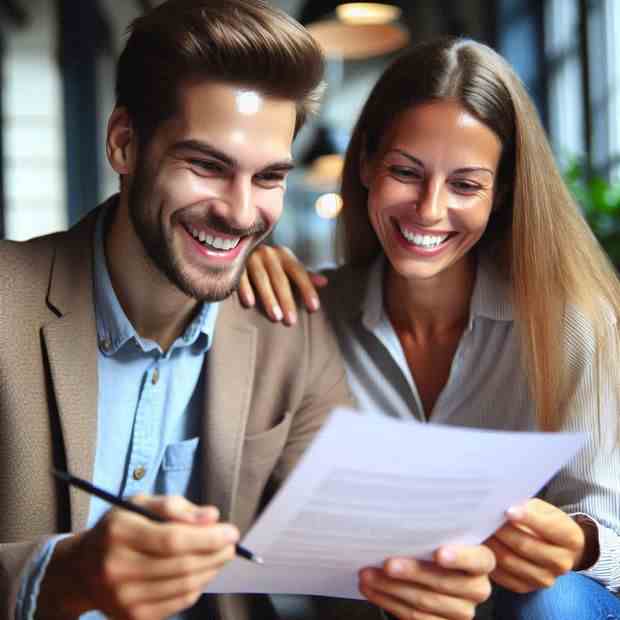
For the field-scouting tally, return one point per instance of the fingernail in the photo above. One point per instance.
(231, 534)
(277, 313)
(396, 567)
(366, 576)
(291, 318)
(516, 512)
(249, 299)
(447, 555)
(314, 303)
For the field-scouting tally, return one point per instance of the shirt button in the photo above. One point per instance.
(139, 473)
(155, 377)
(105, 345)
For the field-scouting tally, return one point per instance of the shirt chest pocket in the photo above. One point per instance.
(179, 470)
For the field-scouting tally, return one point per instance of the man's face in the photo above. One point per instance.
(209, 185)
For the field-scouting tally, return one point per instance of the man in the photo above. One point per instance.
(110, 361)
(127, 359)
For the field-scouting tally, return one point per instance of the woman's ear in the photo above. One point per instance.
(121, 142)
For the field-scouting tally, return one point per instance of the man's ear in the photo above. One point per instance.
(121, 142)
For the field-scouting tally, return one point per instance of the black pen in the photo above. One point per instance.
(69, 479)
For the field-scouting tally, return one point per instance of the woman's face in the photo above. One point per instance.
(431, 186)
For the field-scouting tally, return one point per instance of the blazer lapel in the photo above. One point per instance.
(230, 375)
(71, 345)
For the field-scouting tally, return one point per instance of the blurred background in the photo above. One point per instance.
(56, 91)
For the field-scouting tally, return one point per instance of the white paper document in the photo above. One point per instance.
(370, 487)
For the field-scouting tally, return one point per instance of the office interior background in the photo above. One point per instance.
(57, 60)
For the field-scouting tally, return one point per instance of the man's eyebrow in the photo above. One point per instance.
(464, 169)
(210, 151)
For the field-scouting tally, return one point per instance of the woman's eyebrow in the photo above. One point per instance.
(463, 169)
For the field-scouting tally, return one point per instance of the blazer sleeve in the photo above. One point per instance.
(325, 388)
(15, 559)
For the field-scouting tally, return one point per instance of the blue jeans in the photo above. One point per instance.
(573, 597)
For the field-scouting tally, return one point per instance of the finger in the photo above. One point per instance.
(127, 565)
(549, 522)
(280, 283)
(305, 281)
(472, 559)
(531, 548)
(177, 508)
(418, 604)
(510, 582)
(259, 279)
(246, 292)
(435, 578)
(521, 569)
(318, 279)
(165, 539)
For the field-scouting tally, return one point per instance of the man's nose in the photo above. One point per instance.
(239, 209)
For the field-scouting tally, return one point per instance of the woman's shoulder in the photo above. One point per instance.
(585, 330)
(345, 289)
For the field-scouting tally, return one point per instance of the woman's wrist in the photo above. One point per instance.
(591, 549)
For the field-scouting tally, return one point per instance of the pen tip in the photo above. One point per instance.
(258, 560)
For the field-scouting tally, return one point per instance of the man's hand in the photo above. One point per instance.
(449, 588)
(132, 568)
(538, 544)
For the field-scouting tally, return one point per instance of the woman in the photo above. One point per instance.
(474, 294)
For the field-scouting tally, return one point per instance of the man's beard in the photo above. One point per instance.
(219, 282)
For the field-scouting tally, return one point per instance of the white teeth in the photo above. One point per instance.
(219, 243)
(425, 241)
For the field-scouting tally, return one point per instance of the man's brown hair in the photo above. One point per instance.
(244, 42)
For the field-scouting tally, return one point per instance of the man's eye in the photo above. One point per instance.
(207, 166)
(271, 178)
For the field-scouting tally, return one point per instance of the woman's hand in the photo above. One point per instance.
(538, 544)
(447, 589)
(270, 271)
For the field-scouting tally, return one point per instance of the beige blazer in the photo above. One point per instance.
(268, 389)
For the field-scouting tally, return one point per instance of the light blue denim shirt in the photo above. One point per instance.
(149, 412)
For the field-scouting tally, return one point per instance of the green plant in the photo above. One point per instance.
(600, 201)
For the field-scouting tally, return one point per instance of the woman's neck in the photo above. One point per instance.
(431, 306)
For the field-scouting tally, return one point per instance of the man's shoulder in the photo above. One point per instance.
(25, 263)
(309, 325)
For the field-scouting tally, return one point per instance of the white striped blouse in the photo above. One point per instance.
(487, 388)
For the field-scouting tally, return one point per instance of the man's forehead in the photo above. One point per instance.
(239, 121)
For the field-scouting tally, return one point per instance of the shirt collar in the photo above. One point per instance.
(491, 297)
(114, 329)
(372, 306)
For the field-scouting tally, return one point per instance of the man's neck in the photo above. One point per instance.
(156, 308)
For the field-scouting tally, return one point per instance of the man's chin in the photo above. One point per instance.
(211, 288)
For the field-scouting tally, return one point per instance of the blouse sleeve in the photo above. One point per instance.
(590, 483)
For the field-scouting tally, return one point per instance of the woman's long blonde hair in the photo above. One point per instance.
(541, 241)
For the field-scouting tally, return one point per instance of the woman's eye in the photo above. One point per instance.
(402, 172)
(465, 187)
